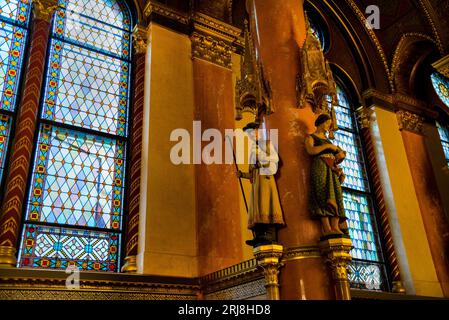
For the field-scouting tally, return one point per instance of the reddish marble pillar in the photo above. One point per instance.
(279, 30)
(435, 223)
(132, 225)
(22, 146)
(217, 190)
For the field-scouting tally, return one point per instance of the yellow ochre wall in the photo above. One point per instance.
(167, 234)
(414, 255)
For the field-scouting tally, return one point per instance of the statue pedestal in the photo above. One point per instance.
(268, 258)
(336, 251)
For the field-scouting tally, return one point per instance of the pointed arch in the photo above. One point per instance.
(74, 210)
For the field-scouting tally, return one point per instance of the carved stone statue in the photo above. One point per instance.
(326, 196)
(264, 214)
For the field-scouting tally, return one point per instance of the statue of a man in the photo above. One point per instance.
(326, 196)
(265, 214)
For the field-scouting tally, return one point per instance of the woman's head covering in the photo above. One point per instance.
(322, 119)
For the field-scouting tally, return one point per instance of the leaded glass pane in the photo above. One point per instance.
(78, 179)
(5, 126)
(13, 19)
(57, 248)
(441, 86)
(357, 203)
(366, 275)
(444, 135)
(353, 166)
(83, 30)
(86, 89)
(358, 211)
(106, 12)
(15, 11)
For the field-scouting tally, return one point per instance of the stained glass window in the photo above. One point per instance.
(367, 270)
(75, 203)
(444, 135)
(14, 16)
(441, 86)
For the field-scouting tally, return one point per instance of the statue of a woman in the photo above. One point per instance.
(326, 196)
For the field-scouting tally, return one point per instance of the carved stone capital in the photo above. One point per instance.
(442, 66)
(165, 11)
(44, 9)
(365, 117)
(211, 49)
(337, 254)
(410, 121)
(268, 259)
(140, 39)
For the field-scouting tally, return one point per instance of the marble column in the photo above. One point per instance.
(278, 28)
(140, 35)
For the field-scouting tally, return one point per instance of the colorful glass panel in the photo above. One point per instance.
(348, 140)
(441, 86)
(77, 23)
(444, 135)
(57, 248)
(75, 202)
(360, 223)
(78, 179)
(15, 11)
(5, 125)
(367, 276)
(86, 89)
(357, 203)
(13, 22)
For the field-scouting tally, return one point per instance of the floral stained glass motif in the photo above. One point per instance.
(75, 203)
(57, 248)
(14, 15)
(441, 86)
(366, 269)
(5, 125)
(444, 135)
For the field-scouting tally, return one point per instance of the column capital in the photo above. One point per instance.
(44, 9)
(338, 256)
(140, 38)
(216, 51)
(442, 66)
(365, 117)
(268, 258)
(410, 121)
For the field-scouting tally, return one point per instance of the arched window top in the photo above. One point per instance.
(102, 25)
(441, 85)
(367, 268)
(110, 12)
(76, 195)
(15, 11)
